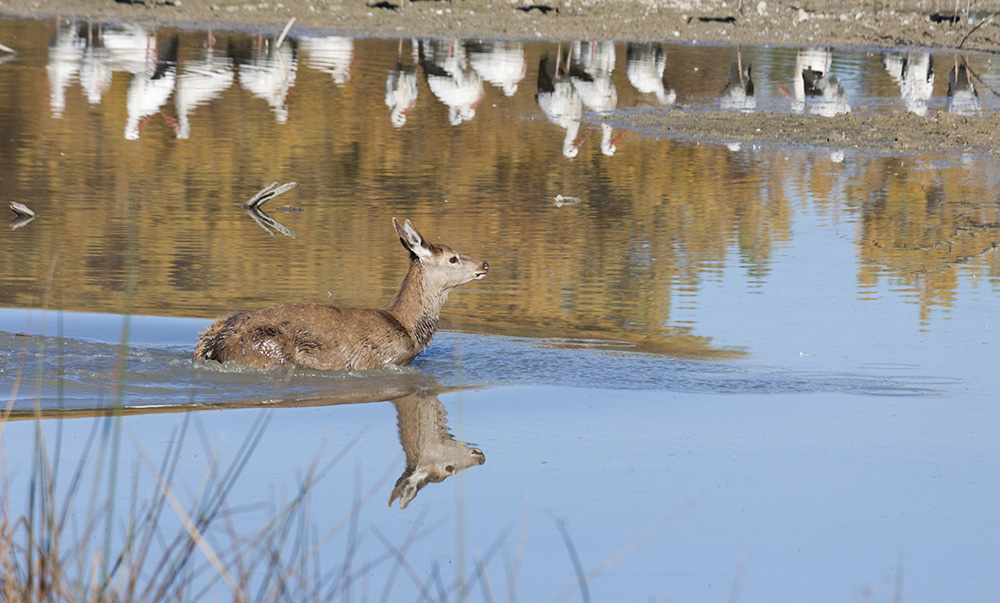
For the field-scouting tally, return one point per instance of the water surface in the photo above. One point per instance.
(751, 370)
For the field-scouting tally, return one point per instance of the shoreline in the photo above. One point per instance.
(912, 23)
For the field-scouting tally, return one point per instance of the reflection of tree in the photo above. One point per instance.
(655, 223)
(613, 267)
(924, 226)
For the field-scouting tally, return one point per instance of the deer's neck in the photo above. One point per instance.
(423, 428)
(417, 305)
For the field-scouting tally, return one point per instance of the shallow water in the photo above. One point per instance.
(767, 372)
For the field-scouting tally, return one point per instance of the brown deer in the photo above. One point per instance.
(432, 453)
(328, 337)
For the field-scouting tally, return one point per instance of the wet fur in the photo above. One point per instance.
(317, 336)
(327, 337)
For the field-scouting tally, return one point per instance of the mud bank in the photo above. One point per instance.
(812, 22)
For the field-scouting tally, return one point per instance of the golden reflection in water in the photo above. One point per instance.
(154, 225)
(925, 225)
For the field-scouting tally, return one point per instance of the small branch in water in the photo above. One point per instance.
(559, 200)
(8, 49)
(581, 576)
(267, 222)
(978, 25)
(266, 194)
(22, 210)
(284, 32)
(24, 215)
(253, 209)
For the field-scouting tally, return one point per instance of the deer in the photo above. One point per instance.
(337, 338)
(432, 452)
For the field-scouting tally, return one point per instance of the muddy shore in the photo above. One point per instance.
(905, 24)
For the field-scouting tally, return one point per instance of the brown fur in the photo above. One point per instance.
(328, 337)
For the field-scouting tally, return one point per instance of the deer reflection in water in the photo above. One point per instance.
(432, 452)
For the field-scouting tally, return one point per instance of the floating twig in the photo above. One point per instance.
(284, 32)
(24, 215)
(267, 222)
(22, 210)
(252, 207)
(559, 200)
(981, 22)
(267, 193)
(542, 8)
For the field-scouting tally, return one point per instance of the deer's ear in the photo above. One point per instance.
(411, 239)
(407, 486)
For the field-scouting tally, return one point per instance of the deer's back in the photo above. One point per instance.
(317, 336)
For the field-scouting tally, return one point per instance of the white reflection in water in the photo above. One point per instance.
(65, 51)
(738, 95)
(915, 75)
(814, 83)
(500, 62)
(269, 74)
(331, 54)
(576, 82)
(94, 52)
(451, 79)
(200, 81)
(962, 96)
(400, 89)
(590, 69)
(152, 85)
(559, 100)
(645, 65)
(97, 68)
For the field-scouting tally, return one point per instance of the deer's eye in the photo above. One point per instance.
(453, 259)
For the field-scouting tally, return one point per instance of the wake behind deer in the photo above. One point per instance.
(329, 337)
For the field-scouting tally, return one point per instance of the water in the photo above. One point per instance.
(769, 372)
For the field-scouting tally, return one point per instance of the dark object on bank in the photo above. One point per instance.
(940, 18)
(542, 8)
(713, 19)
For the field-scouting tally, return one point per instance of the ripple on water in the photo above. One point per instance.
(67, 373)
